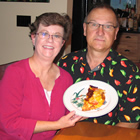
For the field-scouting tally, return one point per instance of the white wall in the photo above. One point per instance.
(14, 41)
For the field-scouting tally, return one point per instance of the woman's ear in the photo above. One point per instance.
(63, 42)
(33, 39)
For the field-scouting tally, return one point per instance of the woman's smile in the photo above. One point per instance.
(48, 47)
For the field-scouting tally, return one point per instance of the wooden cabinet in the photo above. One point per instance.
(138, 6)
(128, 44)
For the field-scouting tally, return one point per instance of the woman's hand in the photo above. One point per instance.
(68, 120)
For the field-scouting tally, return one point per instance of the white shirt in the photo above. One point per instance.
(48, 95)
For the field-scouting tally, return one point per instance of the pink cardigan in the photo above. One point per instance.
(23, 102)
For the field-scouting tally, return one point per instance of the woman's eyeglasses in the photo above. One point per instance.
(45, 35)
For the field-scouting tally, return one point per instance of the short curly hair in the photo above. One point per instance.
(48, 19)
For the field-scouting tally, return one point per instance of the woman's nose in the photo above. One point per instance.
(50, 38)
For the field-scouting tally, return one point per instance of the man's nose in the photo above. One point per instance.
(100, 29)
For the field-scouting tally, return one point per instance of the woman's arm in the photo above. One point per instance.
(65, 121)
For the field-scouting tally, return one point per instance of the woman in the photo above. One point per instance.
(31, 102)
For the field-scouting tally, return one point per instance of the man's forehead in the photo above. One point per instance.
(101, 12)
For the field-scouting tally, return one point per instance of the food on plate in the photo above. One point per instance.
(95, 98)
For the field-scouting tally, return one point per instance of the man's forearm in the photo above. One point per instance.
(128, 125)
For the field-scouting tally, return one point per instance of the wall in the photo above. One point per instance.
(15, 43)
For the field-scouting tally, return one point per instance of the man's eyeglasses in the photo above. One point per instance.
(45, 35)
(106, 27)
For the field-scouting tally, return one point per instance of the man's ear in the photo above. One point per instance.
(84, 28)
(116, 32)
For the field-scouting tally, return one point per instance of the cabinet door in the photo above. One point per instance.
(128, 37)
(127, 45)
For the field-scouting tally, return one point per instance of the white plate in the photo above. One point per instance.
(72, 101)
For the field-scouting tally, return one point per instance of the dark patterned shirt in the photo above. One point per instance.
(115, 70)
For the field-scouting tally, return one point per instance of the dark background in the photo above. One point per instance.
(80, 9)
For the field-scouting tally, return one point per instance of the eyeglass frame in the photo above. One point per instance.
(101, 25)
(49, 35)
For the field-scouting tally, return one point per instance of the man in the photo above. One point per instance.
(100, 62)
